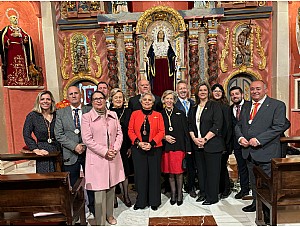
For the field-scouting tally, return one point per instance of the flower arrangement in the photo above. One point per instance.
(62, 104)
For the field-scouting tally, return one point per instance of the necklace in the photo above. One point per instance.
(122, 114)
(169, 118)
(144, 125)
(49, 140)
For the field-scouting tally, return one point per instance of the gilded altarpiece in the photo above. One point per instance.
(244, 51)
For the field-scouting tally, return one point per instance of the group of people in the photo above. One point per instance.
(170, 135)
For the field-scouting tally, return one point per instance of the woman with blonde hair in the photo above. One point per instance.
(40, 121)
(176, 143)
(117, 99)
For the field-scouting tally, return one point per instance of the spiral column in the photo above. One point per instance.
(212, 26)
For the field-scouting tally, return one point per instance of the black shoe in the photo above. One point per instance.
(200, 198)
(193, 194)
(172, 202)
(154, 208)
(250, 208)
(206, 203)
(225, 194)
(179, 203)
(135, 207)
(241, 194)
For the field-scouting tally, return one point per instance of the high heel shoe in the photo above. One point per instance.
(111, 220)
(127, 203)
(179, 203)
(172, 202)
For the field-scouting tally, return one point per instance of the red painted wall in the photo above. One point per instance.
(18, 103)
(294, 67)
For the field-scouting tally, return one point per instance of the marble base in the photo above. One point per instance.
(6, 167)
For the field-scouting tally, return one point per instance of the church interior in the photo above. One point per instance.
(82, 43)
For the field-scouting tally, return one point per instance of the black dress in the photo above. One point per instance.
(124, 117)
(36, 124)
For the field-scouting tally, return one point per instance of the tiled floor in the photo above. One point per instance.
(227, 212)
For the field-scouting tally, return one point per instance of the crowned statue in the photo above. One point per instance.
(18, 65)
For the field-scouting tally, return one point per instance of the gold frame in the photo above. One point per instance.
(163, 13)
(65, 60)
(96, 57)
(225, 51)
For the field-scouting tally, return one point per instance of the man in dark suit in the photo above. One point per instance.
(184, 103)
(103, 87)
(144, 86)
(67, 132)
(258, 132)
(237, 97)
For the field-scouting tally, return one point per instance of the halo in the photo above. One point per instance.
(11, 9)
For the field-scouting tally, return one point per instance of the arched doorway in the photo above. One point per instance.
(243, 80)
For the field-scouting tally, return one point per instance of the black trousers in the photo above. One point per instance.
(191, 171)
(147, 170)
(74, 171)
(242, 170)
(209, 167)
(224, 175)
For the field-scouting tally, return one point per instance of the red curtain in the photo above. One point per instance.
(162, 81)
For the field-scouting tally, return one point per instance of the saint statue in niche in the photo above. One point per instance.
(161, 55)
(243, 45)
(17, 55)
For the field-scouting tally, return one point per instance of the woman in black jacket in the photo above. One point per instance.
(218, 94)
(205, 125)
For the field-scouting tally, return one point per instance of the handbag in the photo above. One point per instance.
(184, 163)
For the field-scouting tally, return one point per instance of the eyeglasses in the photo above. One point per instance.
(98, 99)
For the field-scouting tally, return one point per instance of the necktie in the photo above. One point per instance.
(76, 118)
(238, 112)
(254, 110)
(185, 106)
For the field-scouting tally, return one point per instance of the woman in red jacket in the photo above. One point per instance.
(146, 131)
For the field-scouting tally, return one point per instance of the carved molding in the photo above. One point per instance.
(79, 77)
(96, 57)
(224, 54)
(163, 13)
(65, 60)
(262, 64)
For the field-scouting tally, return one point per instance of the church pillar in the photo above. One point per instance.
(130, 60)
(52, 62)
(280, 52)
(112, 56)
(193, 56)
(212, 26)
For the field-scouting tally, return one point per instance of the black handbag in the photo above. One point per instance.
(184, 163)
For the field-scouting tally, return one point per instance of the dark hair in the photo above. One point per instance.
(102, 82)
(100, 92)
(203, 83)
(223, 99)
(236, 88)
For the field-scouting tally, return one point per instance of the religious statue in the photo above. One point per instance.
(17, 54)
(243, 57)
(160, 55)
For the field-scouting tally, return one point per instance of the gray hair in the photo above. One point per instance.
(169, 92)
(37, 106)
(147, 93)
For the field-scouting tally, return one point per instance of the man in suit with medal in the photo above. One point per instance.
(68, 134)
(261, 123)
(237, 97)
(144, 86)
(184, 103)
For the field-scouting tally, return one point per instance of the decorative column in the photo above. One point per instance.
(111, 57)
(193, 56)
(212, 51)
(130, 60)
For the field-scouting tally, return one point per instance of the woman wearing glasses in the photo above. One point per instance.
(102, 134)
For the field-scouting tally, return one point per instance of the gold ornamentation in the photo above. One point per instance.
(224, 54)
(260, 50)
(243, 70)
(96, 58)
(65, 60)
(163, 13)
(75, 79)
(261, 3)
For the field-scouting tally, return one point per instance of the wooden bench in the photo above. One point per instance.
(32, 156)
(24, 195)
(281, 189)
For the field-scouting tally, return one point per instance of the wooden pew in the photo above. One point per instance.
(32, 156)
(23, 195)
(279, 190)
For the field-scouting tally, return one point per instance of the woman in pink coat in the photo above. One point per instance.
(102, 134)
